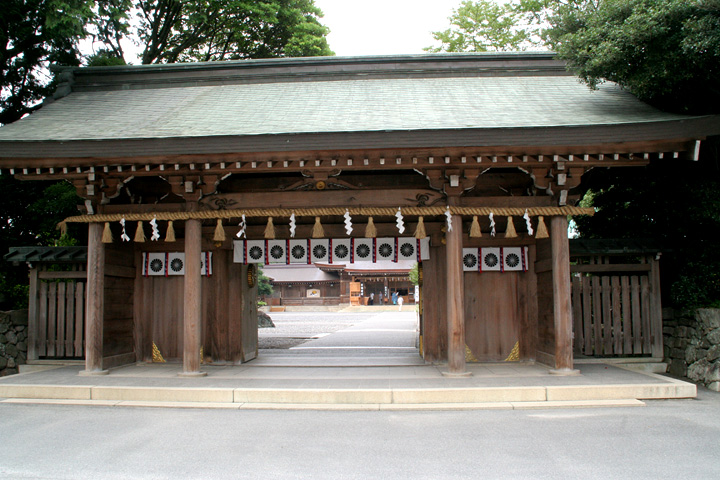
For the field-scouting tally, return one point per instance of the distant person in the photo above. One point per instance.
(372, 299)
(394, 298)
(400, 302)
(380, 298)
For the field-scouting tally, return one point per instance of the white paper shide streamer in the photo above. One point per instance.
(528, 223)
(399, 221)
(292, 225)
(155, 231)
(448, 215)
(348, 223)
(124, 235)
(492, 224)
(242, 225)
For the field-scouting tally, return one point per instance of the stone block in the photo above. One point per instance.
(11, 363)
(714, 386)
(11, 337)
(714, 336)
(667, 330)
(678, 367)
(22, 346)
(677, 353)
(713, 354)
(4, 327)
(681, 343)
(698, 370)
(3, 362)
(11, 350)
(681, 332)
(691, 354)
(3, 339)
(713, 373)
(708, 317)
(9, 371)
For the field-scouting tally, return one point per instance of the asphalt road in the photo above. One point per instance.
(666, 439)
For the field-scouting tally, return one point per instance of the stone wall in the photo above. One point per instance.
(13, 341)
(692, 346)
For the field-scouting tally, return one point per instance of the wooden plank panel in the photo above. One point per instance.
(636, 319)
(43, 319)
(610, 268)
(656, 323)
(60, 333)
(52, 318)
(587, 316)
(70, 319)
(434, 325)
(616, 316)
(33, 307)
(529, 316)
(606, 316)
(645, 314)
(579, 333)
(597, 317)
(626, 316)
(492, 317)
(79, 319)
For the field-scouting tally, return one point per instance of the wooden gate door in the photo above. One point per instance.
(56, 313)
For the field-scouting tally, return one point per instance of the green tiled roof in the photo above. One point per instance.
(331, 103)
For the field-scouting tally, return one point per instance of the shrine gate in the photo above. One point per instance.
(192, 174)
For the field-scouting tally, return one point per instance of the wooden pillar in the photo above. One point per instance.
(562, 305)
(455, 300)
(95, 302)
(192, 321)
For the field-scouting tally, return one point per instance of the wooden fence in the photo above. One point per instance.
(616, 308)
(56, 313)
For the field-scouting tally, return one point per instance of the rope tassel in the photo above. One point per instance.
(510, 230)
(270, 229)
(420, 230)
(170, 235)
(107, 234)
(475, 231)
(318, 231)
(219, 236)
(140, 233)
(542, 231)
(370, 230)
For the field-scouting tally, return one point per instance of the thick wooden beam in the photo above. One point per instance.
(562, 305)
(192, 321)
(455, 301)
(95, 302)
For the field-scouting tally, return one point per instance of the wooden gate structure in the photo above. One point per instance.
(478, 157)
(617, 309)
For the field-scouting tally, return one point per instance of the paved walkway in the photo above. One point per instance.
(372, 363)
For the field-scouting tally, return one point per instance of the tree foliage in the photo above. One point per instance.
(482, 26)
(212, 30)
(33, 34)
(667, 52)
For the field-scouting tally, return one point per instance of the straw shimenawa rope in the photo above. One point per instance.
(315, 212)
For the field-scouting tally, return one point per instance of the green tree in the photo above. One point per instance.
(481, 26)
(213, 30)
(33, 34)
(666, 52)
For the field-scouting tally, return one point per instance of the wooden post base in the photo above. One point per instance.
(567, 372)
(192, 374)
(457, 374)
(92, 373)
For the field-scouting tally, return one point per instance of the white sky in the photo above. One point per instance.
(384, 27)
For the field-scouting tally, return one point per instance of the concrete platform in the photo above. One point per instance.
(330, 383)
